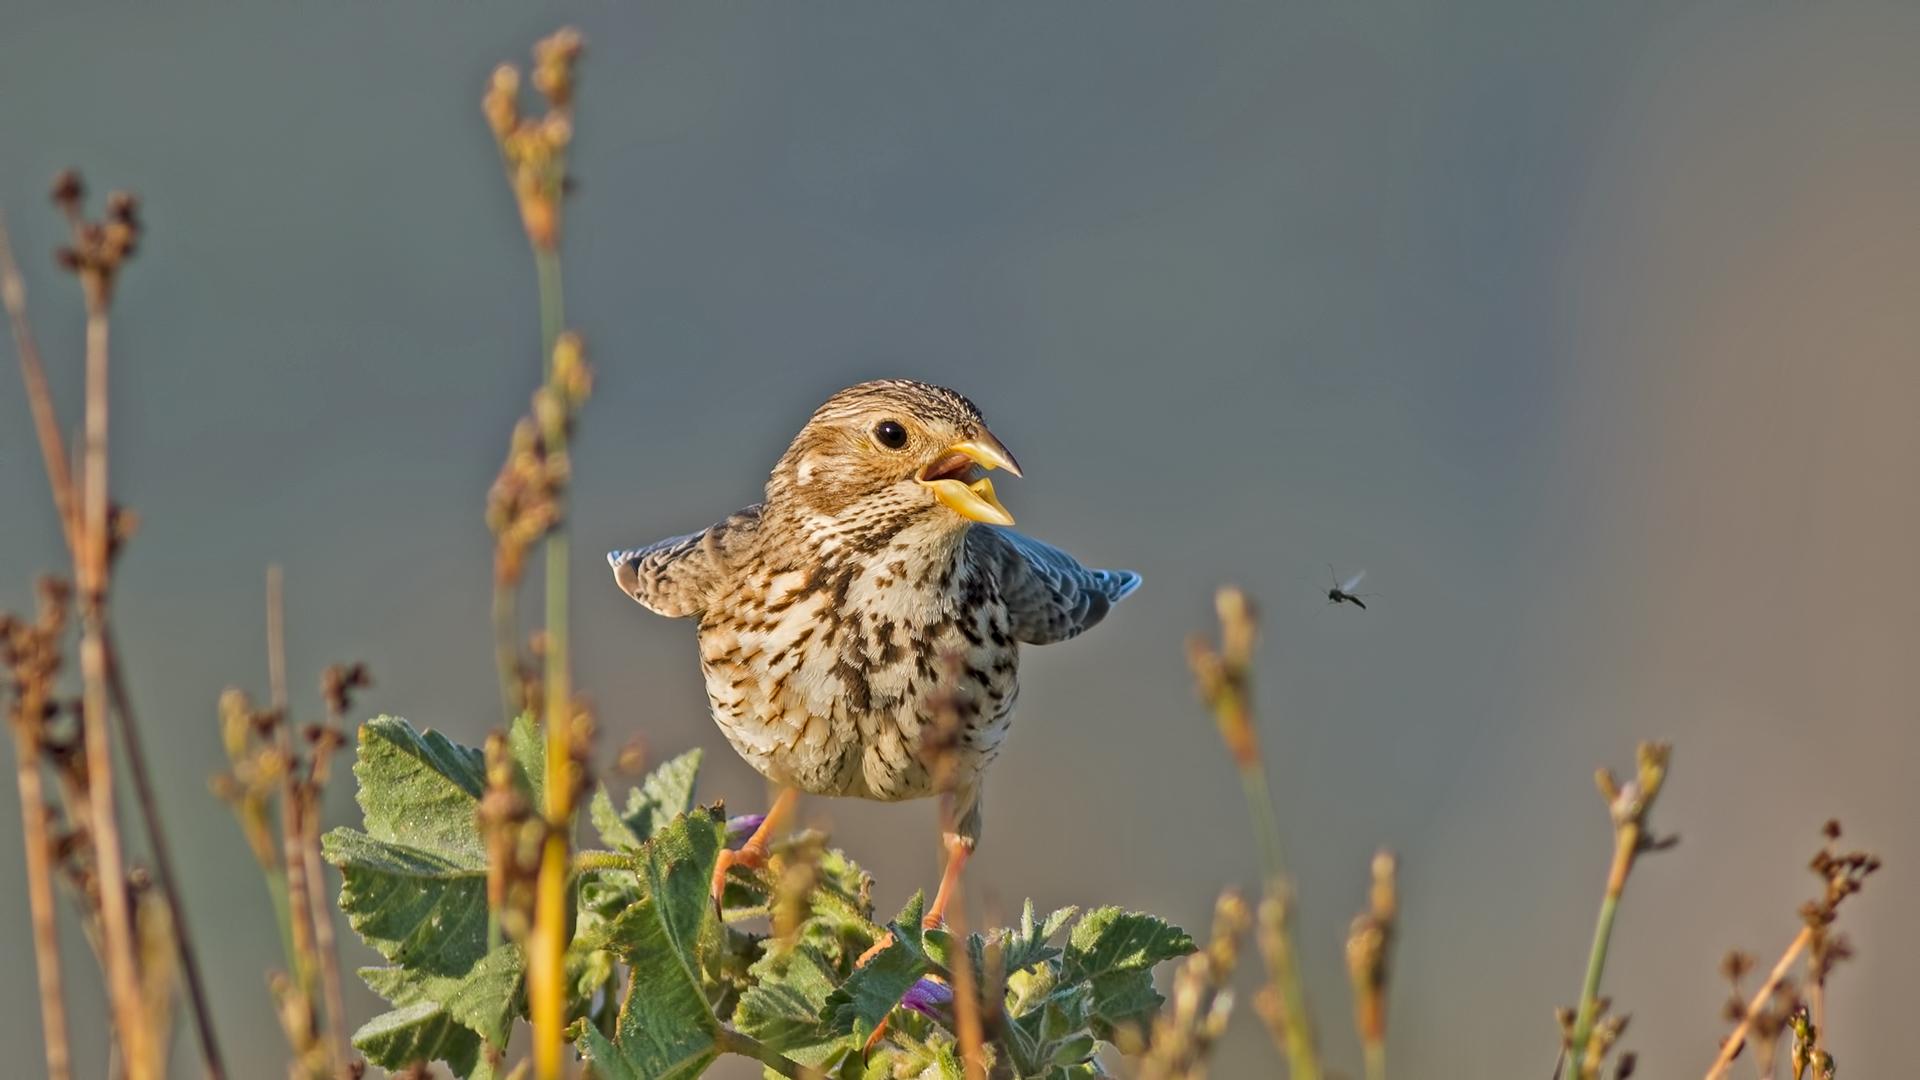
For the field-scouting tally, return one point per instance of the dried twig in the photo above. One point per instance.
(60, 484)
(164, 876)
(99, 249)
(1841, 876)
(32, 655)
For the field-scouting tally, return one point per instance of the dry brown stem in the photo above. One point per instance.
(1841, 876)
(32, 656)
(97, 253)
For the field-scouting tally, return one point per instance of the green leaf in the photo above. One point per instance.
(666, 793)
(1109, 939)
(1038, 1038)
(414, 887)
(1029, 943)
(784, 1006)
(666, 1029)
(486, 998)
(842, 889)
(873, 990)
(415, 908)
(1114, 953)
(419, 789)
(420, 1032)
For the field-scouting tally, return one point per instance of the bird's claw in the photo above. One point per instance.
(748, 856)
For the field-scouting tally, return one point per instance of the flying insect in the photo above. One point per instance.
(1341, 592)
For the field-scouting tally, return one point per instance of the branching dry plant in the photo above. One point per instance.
(465, 874)
(132, 914)
(277, 776)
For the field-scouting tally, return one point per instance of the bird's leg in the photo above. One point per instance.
(958, 849)
(754, 852)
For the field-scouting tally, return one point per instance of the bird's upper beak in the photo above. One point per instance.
(947, 478)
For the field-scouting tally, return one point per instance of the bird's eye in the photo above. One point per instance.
(891, 434)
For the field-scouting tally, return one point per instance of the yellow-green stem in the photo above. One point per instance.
(1266, 823)
(1303, 1058)
(546, 973)
(1376, 1055)
(1625, 845)
(546, 962)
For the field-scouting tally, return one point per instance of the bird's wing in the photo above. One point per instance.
(674, 577)
(1049, 595)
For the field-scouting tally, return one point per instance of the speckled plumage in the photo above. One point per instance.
(837, 616)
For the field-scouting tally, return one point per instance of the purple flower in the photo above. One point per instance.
(927, 996)
(738, 829)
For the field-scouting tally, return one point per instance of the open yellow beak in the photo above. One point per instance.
(974, 501)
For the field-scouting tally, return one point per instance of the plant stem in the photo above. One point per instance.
(324, 948)
(129, 1010)
(300, 964)
(546, 265)
(33, 807)
(1739, 1037)
(60, 483)
(46, 423)
(1225, 684)
(1626, 844)
(46, 929)
(1303, 1059)
(1376, 1058)
(546, 969)
(1817, 1006)
(1266, 823)
(143, 792)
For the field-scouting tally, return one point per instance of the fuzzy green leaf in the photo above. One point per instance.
(1114, 953)
(874, 989)
(486, 998)
(784, 1006)
(1029, 944)
(422, 1032)
(414, 887)
(414, 907)
(419, 789)
(1109, 939)
(666, 793)
(666, 1028)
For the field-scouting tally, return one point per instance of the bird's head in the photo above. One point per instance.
(893, 450)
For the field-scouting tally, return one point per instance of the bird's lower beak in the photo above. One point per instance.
(946, 478)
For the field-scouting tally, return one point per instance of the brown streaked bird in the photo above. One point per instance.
(876, 589)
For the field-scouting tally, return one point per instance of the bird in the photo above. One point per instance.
(871, 606)
(1342, 592)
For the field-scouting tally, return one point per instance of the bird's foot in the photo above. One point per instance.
(749, 856)
(754, 852)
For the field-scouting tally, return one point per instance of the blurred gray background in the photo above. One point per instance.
(1592, 331)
